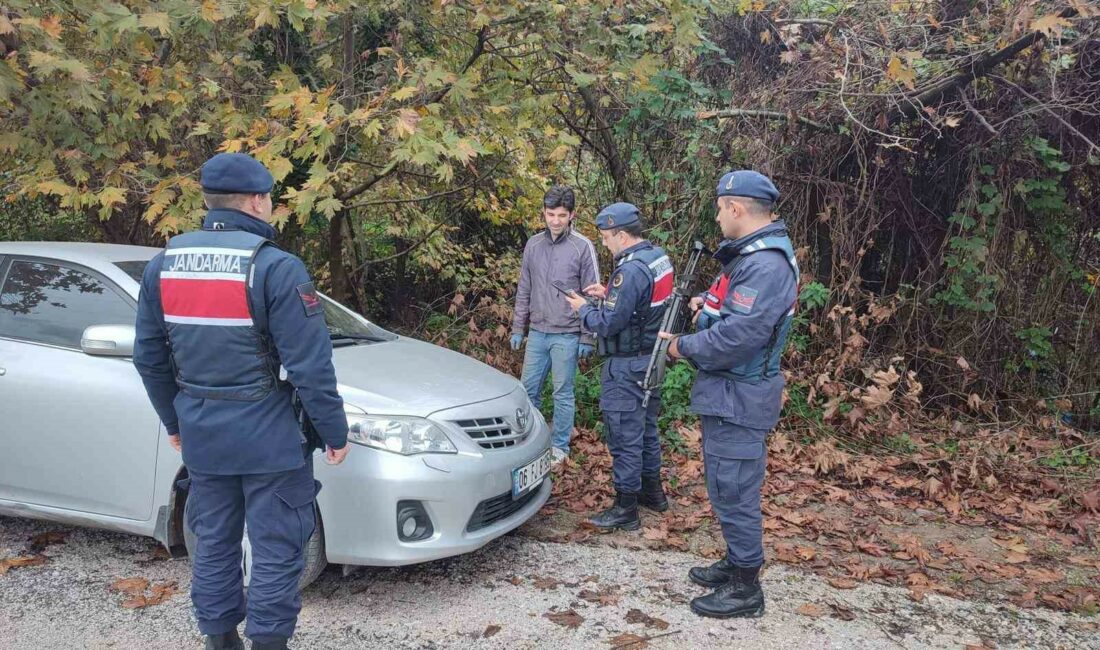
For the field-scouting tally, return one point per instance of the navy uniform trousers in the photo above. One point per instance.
(278, 508)
(735, 458)
(631, 431)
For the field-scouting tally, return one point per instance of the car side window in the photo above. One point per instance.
(52, 303)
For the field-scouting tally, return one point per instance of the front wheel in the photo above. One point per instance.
(314, 550)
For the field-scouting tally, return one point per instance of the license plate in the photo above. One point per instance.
(530, 475)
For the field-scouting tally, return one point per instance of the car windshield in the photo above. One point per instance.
(343, 325)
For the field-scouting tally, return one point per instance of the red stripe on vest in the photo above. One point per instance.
(662, 289)
(716, 295)
(204, 298)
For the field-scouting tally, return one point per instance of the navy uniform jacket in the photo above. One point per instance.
(242, 437)
(761, 292)
(630, 286)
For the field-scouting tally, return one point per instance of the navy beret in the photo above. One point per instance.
(235, 173)
(616, 215)
(749, 184)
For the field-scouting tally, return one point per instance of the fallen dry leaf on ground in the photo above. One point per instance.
(605, 596)
(627, 640)
(638, 616)
(22, 561)
(545, 584)
(810, 609)
(135, 589)
(132, 586)
(49, 538)
(841, 612)
(569, 618)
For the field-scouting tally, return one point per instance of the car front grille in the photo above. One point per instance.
(491, 433)
(490, 511)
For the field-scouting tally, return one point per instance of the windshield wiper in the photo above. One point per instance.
(343, 336)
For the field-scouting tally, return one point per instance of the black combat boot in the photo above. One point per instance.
(652, 495)
(713, 576)
(277, 644)
(741, 597)
(623, 514)
(226, 641)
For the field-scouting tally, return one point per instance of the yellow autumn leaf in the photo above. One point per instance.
(406, 122)
(279, 168)
(51, 25)
(110, 196)
(559, 152)
(464, 151)
(898, 71)
(212, 11)
(404, 93)
(156, 20)
(54, 187)
(1051, 25)
(267, 14)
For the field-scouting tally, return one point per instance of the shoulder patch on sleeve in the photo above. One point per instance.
(743, 298)
(310, 300)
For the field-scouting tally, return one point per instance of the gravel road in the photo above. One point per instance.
(498, 597)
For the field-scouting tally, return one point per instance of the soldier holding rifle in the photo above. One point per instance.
(741, 332)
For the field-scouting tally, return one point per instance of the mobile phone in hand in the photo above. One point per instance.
(557, 284)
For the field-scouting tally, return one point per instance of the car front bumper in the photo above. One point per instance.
(359, 499)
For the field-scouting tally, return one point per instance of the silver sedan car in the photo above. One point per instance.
(450, 453)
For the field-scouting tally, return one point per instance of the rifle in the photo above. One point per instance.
(672, 323)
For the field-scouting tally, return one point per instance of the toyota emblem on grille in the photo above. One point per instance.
(521, 419)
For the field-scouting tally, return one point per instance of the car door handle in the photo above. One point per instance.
(3, 371)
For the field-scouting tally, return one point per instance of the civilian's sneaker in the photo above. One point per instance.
(557, 456)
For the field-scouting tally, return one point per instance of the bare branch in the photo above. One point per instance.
(1039, 103)
(771, 115)
(975, 113)
(367, 184)
(913, 106)
(429, 197)
(408, 249)
(805, 21)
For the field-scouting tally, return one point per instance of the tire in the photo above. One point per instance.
(314, 551)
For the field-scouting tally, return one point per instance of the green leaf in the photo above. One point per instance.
(582, 79)
(329, 206)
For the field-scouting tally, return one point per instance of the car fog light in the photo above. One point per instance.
(413, 522)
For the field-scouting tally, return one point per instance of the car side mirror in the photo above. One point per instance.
(108, 340)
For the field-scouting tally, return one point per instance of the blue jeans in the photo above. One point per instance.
(557, 352)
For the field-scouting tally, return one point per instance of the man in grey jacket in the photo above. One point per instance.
(556, 341)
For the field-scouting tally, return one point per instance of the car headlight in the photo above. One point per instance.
(399, 434)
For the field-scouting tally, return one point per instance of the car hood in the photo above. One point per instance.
(410, 377)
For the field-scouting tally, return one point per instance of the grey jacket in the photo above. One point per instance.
(572, 261)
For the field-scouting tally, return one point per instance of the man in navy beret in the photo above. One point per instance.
(229, 326)
(627, 324)
(741, 329)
